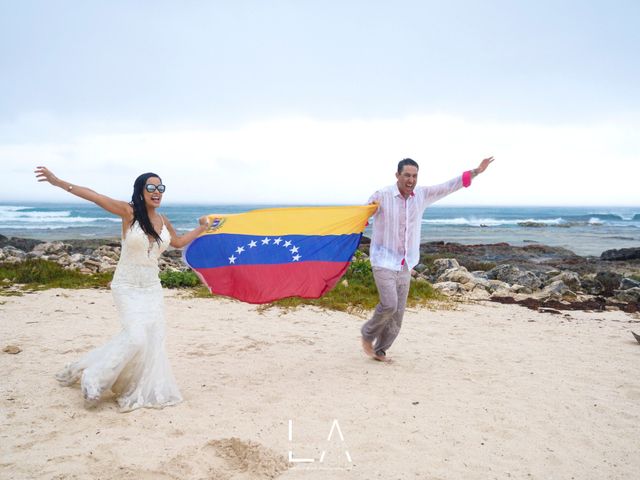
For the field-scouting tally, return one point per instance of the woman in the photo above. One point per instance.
(133, 364)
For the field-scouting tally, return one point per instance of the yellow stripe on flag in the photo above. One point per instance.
(293, 221)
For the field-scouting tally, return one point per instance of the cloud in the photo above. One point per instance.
(298, 160)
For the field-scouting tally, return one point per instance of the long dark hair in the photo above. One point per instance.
(140, 214)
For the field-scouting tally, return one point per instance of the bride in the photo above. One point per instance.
(133, 364)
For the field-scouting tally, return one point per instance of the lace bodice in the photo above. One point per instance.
(138, 264)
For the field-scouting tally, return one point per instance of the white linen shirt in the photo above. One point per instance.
(396, 224)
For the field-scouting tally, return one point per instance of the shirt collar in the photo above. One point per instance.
(396, 192)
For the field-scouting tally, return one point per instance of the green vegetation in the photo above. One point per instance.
(179, 279)
(357, 292)
(475, 266)
(37, 274)
(471, 265)
(201, 291)
(428, 258)
(9, 293)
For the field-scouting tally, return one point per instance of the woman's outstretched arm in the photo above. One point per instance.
(179, 241)
(117, 207)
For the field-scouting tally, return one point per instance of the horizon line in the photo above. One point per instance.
(293, 204)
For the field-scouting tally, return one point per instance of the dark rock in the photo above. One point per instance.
(627, 283)
(421, 267)
(549, 310)
(532, 224)
(87, 246)
(558, 289)
(173, 254)
(591, 286)
(570, 279)
(536, 258)
(595, 304)
(514, 276)
(441, 265)
(631, 295)
(621, 254)
(24, 244)
(610, 281)
(628, 307)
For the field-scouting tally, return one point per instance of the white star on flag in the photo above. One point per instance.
(252, 243)
(239, 250)
(277, 241)
(232, 259)
(296, 258)
(266, 240)
(294, 250)
(286, 244)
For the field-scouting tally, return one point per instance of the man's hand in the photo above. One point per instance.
(483, 165)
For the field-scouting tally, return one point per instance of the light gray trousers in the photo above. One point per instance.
(384, 326)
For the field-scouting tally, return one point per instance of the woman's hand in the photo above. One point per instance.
(179, 241)
(43, 174)
(117, 207)
(204, 221)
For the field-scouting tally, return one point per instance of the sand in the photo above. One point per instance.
(480, 391)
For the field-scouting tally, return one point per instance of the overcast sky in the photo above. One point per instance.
(316, 101)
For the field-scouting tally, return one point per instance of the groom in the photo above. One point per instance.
(395, 248)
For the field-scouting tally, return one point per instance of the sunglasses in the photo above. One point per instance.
(150, 187)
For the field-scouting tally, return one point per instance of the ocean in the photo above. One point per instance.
(584, 230)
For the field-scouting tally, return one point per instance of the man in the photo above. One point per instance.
(395, 247)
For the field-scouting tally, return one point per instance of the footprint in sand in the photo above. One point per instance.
(204, 350)
(227, 459)
(254, 345)
(295, 340)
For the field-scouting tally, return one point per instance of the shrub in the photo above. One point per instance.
(473, 266)
(179, 279)
(358, 292)
(42, 274)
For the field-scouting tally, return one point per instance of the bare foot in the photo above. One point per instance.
(382, 358)
(368, 348)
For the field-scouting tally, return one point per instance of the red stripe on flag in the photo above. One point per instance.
(266, 283)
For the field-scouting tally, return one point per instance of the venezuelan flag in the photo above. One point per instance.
(264, 255)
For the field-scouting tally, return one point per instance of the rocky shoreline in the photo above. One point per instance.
(86, 256)
(536, 276)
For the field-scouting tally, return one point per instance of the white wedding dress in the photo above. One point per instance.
(133, 364)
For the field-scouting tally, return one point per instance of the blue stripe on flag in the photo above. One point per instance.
(225, 249)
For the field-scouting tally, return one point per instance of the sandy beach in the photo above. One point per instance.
(476, 391)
